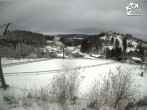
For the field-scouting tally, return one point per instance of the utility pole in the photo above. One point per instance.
(63, 52)
(3, 83)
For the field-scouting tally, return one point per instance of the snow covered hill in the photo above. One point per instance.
(134, 43)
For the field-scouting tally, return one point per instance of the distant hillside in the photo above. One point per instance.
(75, 39)
(72, 39)
(114, 45)
(25, 37)
(108, 43)
(73, 35)
(129, 36)
(22, 42)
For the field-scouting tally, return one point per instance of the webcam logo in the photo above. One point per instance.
(134, 10)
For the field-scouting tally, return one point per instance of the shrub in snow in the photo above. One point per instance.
(98, 95)
(122, 87)
(9, 97)
(11, 101)
(142, 102)
(26, 102)
(40, 94)
(65, 86)
(116, 91)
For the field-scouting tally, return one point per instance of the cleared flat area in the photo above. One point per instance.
(54, 64)
(90, 74)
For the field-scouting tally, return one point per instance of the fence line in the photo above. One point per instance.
(53, 71)
(25, 62)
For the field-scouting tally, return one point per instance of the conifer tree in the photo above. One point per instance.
(112, 41)
(124, 44)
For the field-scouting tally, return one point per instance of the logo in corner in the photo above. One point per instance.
(134, 10)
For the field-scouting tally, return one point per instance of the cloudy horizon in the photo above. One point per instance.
(74, 16)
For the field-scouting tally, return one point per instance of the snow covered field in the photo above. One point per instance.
(90, 74)
(29, 81)
(54, 64)
(11, 60)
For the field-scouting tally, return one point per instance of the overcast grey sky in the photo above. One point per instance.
(74, 16)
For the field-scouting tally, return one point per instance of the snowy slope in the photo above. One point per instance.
(120, 38)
